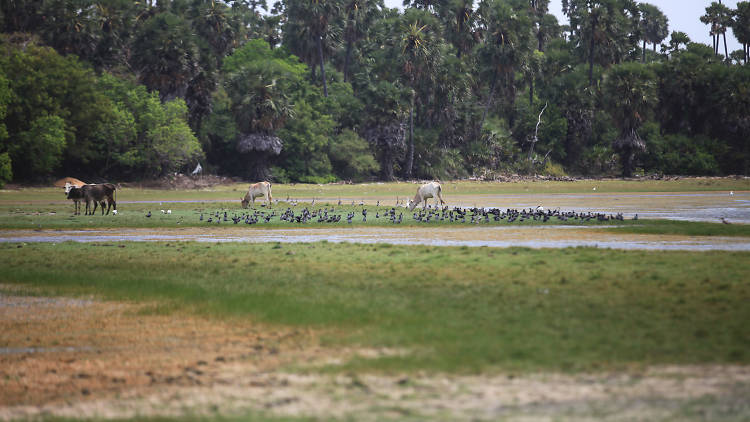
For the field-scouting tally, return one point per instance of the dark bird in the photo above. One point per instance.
(148, 215)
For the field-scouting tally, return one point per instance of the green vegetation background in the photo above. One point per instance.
(135, 90)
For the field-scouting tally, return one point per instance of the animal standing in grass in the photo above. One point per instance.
(257, 190)
(426, 191)
(98, 194)
(76, 194)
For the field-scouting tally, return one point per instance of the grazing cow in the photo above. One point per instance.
(76, 194)
(426, 191)
(98, 194)
(256, 190)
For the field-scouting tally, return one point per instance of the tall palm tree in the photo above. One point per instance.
(311, 33)
(630, 92)
(741, 27)
(459, 20)
(360, 14)
(719, 17)
(419, 58)
(506, 46)
(654, 26)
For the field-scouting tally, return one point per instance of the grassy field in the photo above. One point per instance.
(393, 190)
(46, 208)
(453, 309)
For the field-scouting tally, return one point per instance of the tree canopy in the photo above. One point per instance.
(324, 90)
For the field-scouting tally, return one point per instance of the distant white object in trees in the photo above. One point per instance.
(198, 169)
(731, 193)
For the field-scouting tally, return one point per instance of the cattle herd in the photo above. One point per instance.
(96, 194)
(104, 194)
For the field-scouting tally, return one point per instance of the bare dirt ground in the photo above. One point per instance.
(85, 358)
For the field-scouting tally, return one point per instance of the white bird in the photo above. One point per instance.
(540, 208)
(594, 188)
(114, 212)
(163, 212)
(731, 193)
(169, 211)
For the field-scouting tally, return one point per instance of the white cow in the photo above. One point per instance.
(426, 191)
(256, 190)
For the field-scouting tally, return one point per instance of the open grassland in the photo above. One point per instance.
(233, 192)
(448, 309)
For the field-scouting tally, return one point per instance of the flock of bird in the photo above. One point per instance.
(330, 214)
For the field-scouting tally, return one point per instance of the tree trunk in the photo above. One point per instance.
(511, 97)
(716, 50)
(410, 153)
(322, 67)
(388, 164)
(627, 162)
(591, 54)
(489, 100)
(643, 51)
(726, 52)
(531, 92)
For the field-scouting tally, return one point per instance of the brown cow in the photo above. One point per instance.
(98, 194)
(76, 194)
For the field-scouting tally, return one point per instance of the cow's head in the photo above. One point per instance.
(71, 192)
(68, 185)
(245, 202)
(411, 204)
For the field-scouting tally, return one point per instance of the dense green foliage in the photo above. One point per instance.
(448, 308)
(129, 90)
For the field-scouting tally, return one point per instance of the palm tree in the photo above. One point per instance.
(309, 31)
(677, 38)
(629, 92)
(719, 17)
(360, 14)
(419, 57)
(459, 19)
(506, 46)
(741, 27)
(654, 26)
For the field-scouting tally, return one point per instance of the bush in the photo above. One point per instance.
(554, 169)
(351, 156)
(6, 173)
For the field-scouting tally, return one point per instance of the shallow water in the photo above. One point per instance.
(532, 237)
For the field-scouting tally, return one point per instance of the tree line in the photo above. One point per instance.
(325, 90)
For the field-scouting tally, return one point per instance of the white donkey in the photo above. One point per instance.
(426, 191)
(256, 190)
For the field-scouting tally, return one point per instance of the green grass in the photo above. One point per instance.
(235, 191)
(455, 309)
